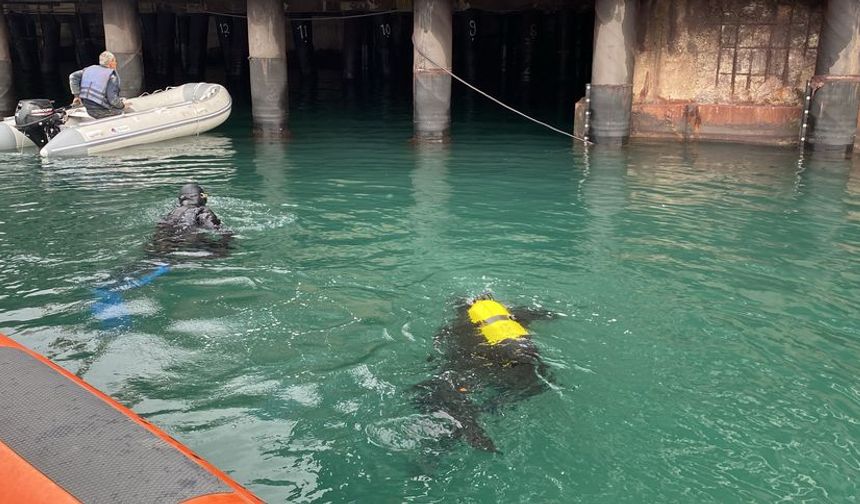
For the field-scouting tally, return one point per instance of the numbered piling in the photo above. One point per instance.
(832, 120)
(612, 70)
(431, 91)
(267, 51)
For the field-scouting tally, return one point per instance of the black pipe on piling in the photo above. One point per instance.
(49, 47)
(563, 46)
(431, 90)
(21, 39)
(49, 58)
(165, 30)
(529, 27)
(832, 122)
(123, 39)
(303, 42)
(382, 45)
(267, 49)
(612, 71)
(83, 50)
(470, 45)
(233, 38)
(7, 85)
(194, 43)
(350, 48)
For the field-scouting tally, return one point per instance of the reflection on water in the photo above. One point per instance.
(707, 296)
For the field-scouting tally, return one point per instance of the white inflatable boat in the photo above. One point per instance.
(186, 110)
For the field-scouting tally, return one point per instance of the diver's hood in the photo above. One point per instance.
(192, 195)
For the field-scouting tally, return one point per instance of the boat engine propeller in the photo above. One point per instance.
(38, 120)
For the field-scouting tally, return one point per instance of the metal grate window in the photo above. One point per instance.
(763, 39)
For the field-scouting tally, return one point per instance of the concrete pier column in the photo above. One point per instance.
(123, 39)
(832, 122)
(612, 70)
(267, 49)
(431, 88)
(7, 88)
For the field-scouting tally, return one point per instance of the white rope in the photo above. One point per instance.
(473, 88)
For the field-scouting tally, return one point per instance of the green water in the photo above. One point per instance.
(707, 348)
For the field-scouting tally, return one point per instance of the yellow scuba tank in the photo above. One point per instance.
(495, 322)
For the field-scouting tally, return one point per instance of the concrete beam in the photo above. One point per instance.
(7, 88)
(431, 89)
(832, 122)
(123, 39)
(612, 70)
(267, 49)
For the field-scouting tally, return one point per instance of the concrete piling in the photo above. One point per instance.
(612, 70)
(832, 121)
(431, 90)
(7, 88)
(267, 51)
(123, 39)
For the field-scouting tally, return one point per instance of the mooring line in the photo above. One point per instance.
(449, 72)
(492, 98)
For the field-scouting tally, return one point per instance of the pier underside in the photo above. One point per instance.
(691, 70)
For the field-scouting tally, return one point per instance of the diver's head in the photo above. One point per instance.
(192, 195)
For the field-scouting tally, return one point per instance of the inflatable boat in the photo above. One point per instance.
(62, 442)
(186, 110)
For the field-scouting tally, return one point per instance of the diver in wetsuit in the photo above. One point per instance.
(190, 226)
(489, 361)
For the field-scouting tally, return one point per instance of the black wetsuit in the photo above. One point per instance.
(190, 227)
(475, 378)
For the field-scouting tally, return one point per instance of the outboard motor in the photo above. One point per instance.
(38, 120)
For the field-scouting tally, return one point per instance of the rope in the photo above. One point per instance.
(473, 88)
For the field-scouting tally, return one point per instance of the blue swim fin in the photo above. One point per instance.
(109, 306)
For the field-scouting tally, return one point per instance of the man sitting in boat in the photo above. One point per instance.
(190, 226)
(97, 88)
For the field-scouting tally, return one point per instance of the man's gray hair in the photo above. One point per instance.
(105, 58)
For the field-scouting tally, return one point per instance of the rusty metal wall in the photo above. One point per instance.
(705, 68)
(726, 51)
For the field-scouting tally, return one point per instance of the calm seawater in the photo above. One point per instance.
(706, 349)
